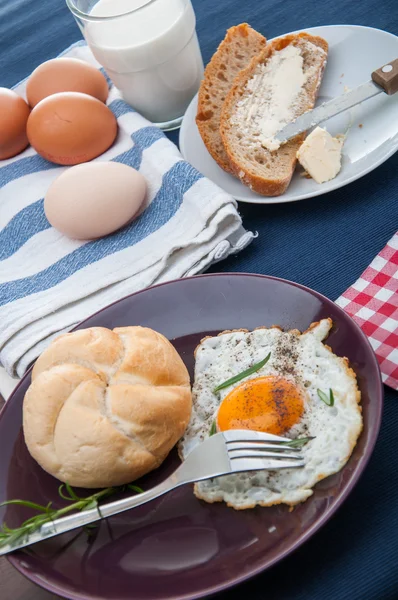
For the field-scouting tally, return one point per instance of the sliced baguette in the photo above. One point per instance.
(239, 46)
(269, 173)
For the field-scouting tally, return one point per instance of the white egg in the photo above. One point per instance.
(94, 199)
(302, 365)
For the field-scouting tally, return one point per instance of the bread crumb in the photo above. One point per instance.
(342, 75)
(271, 529)
(360, 126)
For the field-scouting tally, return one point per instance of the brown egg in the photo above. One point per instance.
(14, 113)
(89, 201)
(71, 128)
(65, 75)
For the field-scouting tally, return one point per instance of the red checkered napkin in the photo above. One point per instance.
(373, 303)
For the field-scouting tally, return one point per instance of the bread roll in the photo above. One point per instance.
(105, 407)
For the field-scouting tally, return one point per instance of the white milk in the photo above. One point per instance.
(152, 55)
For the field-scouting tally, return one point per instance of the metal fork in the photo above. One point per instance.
(228, 452)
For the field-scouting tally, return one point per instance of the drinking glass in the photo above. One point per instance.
(149, 49)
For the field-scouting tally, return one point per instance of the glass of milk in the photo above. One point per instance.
(150, 50)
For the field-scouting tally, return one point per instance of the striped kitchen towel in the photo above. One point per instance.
(48, 283)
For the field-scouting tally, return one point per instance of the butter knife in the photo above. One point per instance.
(384, 80)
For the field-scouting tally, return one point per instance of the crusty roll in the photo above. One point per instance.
(105, 407)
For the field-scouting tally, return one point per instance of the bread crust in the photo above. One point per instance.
(220, 66)
(261, 185)
(105, 407)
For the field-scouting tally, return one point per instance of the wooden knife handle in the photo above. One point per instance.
(387, 77)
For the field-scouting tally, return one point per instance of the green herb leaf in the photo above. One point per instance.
(47, 514)
(34, 519)
(90, 529)
(242, 375)
(72, 493)
(61, 493)
(26, 503)
(213, 429)
(135, 488)
(329, 401)
(298, 442)
(7, 529)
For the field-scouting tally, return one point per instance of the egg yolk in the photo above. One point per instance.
(269, 404)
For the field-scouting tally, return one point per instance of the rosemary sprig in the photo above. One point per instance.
(298, 442)
(213, 429)
(47, 513)
(243, 374)
(329, 401)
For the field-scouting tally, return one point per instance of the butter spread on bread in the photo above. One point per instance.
(279, 84)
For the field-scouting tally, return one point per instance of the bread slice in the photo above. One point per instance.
(239, 46)
(256, 105)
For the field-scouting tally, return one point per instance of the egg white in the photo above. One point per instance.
(303, 359)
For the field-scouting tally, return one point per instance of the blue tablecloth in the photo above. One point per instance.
(324, 243)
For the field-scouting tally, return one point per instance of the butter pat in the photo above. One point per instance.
(320, 155)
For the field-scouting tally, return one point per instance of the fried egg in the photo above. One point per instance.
(282, 397)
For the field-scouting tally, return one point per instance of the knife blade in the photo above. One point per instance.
(384, 79)
(327, 110)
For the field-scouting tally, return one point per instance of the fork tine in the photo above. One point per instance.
(248, 435)
(255, 464)
(234, 454)
(258, 445)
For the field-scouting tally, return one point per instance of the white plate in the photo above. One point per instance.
(354, 52)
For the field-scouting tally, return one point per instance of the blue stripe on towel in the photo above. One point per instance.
(178, 180)
(24, 166)
(105, 74)
(143, 138)
(31, 220)
(16, 233)
(120, 108)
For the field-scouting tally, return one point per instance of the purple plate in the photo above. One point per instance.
(178, 547)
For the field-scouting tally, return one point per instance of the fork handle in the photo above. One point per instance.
(71, 522)
(109, 509)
